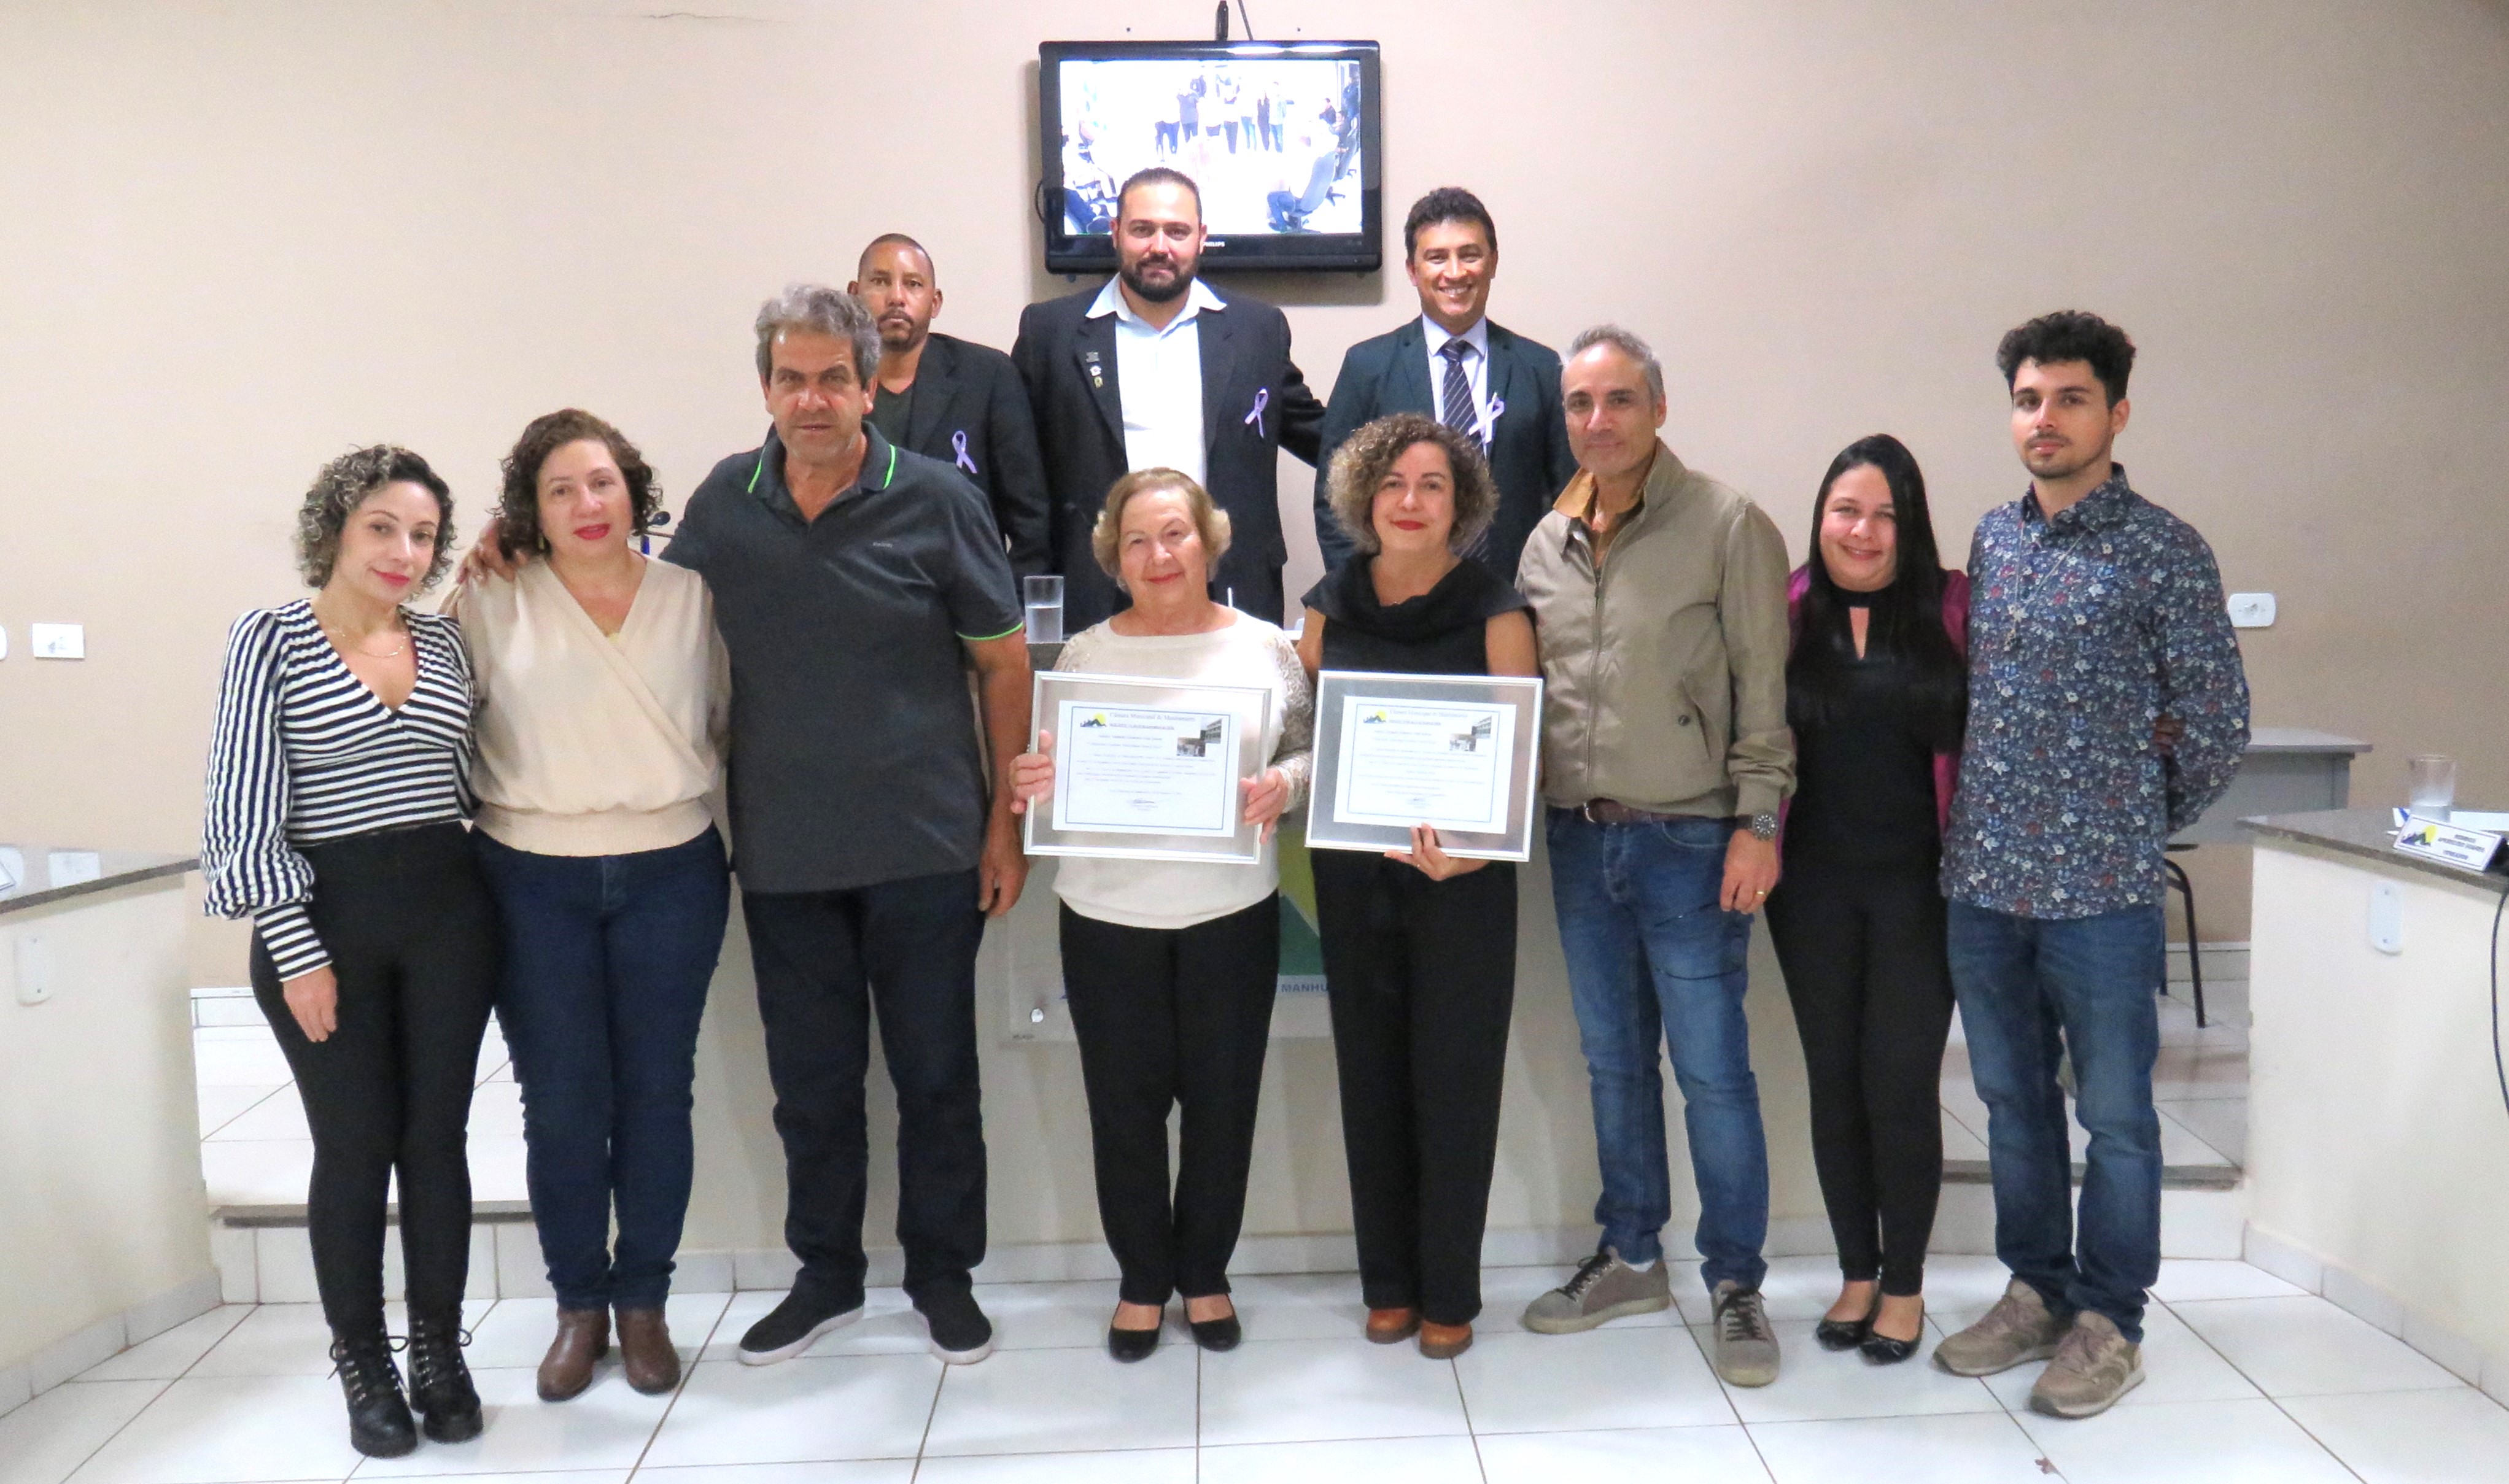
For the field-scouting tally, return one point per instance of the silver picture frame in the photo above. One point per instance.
(1352, 806)
(1204, 719)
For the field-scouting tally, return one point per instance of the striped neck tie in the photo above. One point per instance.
(1455, 403)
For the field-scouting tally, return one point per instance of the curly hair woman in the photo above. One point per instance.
(1419, 945)
(338, 782)
(602, 691)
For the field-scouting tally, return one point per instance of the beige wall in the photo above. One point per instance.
(248, 236)
(260, 234)
(101, 1210)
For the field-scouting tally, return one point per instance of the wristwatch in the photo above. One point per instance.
(1764, 827)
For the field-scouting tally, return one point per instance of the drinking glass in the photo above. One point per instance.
(1044, 600)
(2434, 786)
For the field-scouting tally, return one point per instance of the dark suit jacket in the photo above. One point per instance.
(963, 391)
(1068, 362)
(1528, 450)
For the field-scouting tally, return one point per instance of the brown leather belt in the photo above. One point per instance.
(1605, 812)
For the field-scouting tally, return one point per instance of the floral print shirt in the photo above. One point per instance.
(2083, 631)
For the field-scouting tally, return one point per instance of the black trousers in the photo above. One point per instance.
(412, 935)
(824, 961)
(1865, 967)
(1172, 1017)
(1422, 975)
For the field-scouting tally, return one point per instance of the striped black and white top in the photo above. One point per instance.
(305, 753)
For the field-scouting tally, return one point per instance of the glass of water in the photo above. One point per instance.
(1044, 599)
(2433, 786)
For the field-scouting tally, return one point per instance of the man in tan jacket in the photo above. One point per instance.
(1661, 600)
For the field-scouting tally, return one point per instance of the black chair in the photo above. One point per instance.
(2178, 883)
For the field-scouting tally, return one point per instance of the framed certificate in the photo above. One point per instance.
(1457, 753)
(1149, 769)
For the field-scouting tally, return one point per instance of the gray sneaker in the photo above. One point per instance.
(2017, 1330)
(2095, 1365)
(1604, 1288)
(1746, 1346)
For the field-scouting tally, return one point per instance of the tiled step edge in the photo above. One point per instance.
(105, 1339)
(2294, 1264)
(2172, 1176)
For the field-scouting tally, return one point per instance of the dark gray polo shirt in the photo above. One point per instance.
(854, 759)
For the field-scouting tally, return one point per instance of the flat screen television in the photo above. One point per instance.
(1282, 138)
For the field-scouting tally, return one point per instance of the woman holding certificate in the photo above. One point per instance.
(1877, 693)
(1419, 945)
(1169, 966)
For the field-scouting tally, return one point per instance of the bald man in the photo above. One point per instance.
(953, 401)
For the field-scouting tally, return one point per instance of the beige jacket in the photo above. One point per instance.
(1666, 671)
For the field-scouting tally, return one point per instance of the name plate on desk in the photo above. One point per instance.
(2436, 841)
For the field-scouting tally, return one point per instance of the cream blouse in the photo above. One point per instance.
(593, 744)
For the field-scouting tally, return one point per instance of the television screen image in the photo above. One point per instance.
(1274, 145)
(1280, 139)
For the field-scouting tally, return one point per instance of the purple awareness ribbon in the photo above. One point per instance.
(958, 446)
(1489, 422)
(1262, 400)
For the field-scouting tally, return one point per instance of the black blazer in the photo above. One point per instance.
(1528, 452)
(1068, 362)
(970, 411)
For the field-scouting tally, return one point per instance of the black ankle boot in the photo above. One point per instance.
(439, 1383)
(379, 1421)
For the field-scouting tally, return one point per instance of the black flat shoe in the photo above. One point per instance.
(1131, 1345)
(1221, 1333)
(1846, 1334)
(1882, 1350)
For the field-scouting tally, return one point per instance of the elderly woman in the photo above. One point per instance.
(1419, 946)
(1169, 967)
(338, 781)
(602, 692)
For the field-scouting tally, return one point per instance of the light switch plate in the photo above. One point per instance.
(2386, 917)
(34, 970)
(58, 641)
(4, 644)
(2252, 611)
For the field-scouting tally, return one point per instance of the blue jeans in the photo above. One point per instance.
(1654, 959)
(607, 962)
(2030, 989)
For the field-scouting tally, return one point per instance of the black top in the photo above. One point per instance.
(1444, 631)
(891, 412)
(853, 759)
(1864, 778)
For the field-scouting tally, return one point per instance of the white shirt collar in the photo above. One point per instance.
(1110, 299)
(1477, 337)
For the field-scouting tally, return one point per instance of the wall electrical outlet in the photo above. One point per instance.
(58, 641)
(2252, 611)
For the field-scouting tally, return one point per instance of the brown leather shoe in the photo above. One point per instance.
(1444, 1342)
(1392, 1326)
(582, 1337)
(645, 1345)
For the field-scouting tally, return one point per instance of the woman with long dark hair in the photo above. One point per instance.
(1877, 693)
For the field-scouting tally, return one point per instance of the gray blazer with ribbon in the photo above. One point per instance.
(971, 410)
(1529, 447)
(1254, 403)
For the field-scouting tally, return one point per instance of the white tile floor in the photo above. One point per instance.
(2249, 1381)
(2250, 1378)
